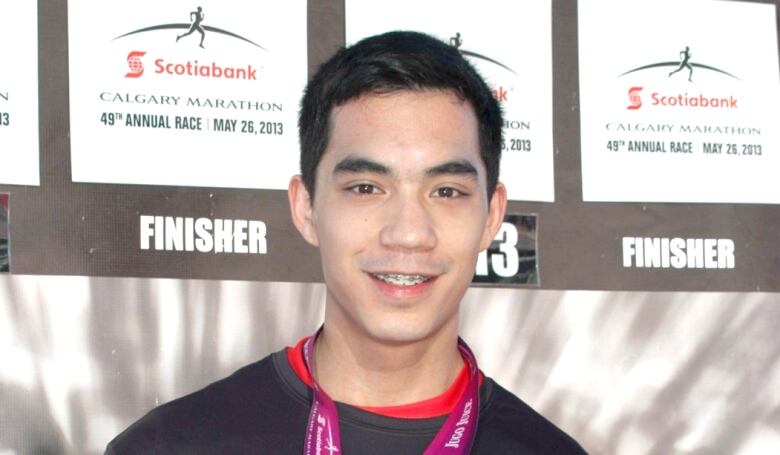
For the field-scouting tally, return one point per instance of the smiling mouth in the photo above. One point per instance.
(397, 279)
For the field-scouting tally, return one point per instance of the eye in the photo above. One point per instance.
(447, 192)
(364, 188)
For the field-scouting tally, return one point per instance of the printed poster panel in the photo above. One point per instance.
(684, 106)
(168, 93)
(510, 45)
(19, 164)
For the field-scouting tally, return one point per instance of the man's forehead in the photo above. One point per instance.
(405, 135)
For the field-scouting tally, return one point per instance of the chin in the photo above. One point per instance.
(400, 330)
(391, 320)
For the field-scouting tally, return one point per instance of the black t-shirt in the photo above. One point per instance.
(263, 409)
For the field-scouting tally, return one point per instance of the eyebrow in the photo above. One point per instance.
(461, 167)
(357, 165)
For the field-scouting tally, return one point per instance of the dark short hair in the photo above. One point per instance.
(391, 62)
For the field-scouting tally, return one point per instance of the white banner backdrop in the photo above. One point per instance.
(622, 372)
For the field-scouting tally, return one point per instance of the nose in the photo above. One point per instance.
(409, 225)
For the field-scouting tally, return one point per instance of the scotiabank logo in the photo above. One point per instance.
(135, 64)
(681, 100)
(192, 68)
(634, 99)
(683, 66)
(189, 68)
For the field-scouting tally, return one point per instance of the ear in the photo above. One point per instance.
(302, 210)
(496, 210)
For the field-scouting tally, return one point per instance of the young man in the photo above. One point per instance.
(400, 145)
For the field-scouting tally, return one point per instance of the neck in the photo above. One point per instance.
(363, 371)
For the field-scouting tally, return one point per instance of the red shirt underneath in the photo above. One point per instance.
(433, 407)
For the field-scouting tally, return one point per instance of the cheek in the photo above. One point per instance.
(463, 236)
(340, 219)
(341, 235)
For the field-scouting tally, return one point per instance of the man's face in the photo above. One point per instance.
(400, 214)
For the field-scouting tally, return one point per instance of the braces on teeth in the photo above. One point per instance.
(401, 280)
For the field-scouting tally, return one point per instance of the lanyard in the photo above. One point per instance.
(455, 437)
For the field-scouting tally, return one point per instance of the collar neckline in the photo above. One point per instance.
(437, 406)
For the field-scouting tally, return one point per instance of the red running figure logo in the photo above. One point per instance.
(135, 64)
(633, 96)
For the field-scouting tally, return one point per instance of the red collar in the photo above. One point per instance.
(433, 407)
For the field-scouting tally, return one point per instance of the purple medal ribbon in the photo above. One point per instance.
(456, 436)
(322, 430)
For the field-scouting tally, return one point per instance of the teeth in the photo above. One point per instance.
(401, 280)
